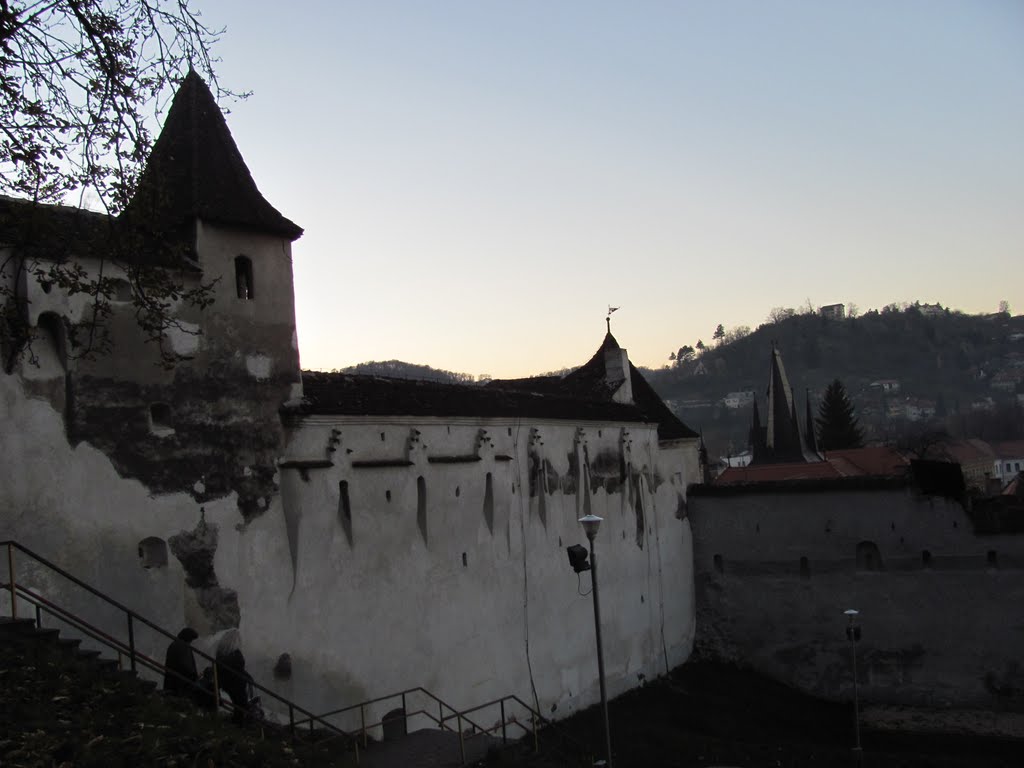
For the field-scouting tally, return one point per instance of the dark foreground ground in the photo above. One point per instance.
(59, 715)
(706, 714)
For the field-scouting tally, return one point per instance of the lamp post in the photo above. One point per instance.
(853, 635)
(591, 524)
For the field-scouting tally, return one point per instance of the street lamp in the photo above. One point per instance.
(853, 635)
(591, 524)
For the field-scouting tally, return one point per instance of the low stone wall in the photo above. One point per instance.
(941, 606)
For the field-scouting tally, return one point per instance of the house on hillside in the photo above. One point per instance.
(975, 457)
(385, 534)
(886, 386)
(735, 400)
(833, 311)
(1009, 460)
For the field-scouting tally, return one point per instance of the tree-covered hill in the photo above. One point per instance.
(964, 367)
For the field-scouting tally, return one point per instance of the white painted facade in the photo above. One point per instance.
(388, 609)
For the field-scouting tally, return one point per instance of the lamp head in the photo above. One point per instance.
(590, 524)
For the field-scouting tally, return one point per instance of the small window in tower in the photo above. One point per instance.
(243, 278)
(160, 420)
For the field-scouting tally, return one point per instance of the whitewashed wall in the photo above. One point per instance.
(454, 612)
(388, 609)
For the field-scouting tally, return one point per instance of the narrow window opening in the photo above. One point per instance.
(421, 506)
(457, 491)
(926, 558)
(153, 552)
(719, 565)
(121, 290)
(55, 332)
(489, 502)
(387, 495)
(243, 278)
(638, 510)
(345, 510)
(805, 569)
(542, 498)
(465, 562)
(992, 559)
(868, 557)
(382, 437)
(160, 421)
(510, 431)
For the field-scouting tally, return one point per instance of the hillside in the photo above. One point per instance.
(906, 371)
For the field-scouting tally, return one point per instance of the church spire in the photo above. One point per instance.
(783, 440)
(812, 442)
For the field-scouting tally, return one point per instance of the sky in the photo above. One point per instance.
(479, 181)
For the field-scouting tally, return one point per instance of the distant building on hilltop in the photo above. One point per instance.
(833, 311)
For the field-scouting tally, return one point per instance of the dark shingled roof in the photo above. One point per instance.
(196, 171)
(41, 230)
(583, 395)
(589, 382)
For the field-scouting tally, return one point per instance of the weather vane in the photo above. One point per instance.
(608, 319)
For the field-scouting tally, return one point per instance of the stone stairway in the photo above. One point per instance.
(38, 642)
(428, 748)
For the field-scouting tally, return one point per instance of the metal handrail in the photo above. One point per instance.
(129, 647)
(442, 719)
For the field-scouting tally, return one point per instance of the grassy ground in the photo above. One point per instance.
(56, 714)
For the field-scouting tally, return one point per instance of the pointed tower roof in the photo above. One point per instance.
(783, 440)
(812, 441)
(757, 447)
(195, 171)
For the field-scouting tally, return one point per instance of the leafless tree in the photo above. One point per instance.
(81, 82)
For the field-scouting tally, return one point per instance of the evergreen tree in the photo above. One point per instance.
(837, 426)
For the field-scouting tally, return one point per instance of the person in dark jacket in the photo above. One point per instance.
(236, 683)
(180, 674)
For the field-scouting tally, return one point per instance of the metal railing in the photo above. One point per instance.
(507, 706)
(127, 648)
(445, 717)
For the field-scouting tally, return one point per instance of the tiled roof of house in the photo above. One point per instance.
(1008, 449)
(777, 473)
(970, 451)
(853, 462)
(583, 395)
(877, 461)
(196, 171)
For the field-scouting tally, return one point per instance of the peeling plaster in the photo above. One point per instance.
(258, 366)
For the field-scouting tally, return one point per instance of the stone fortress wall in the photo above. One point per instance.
(941, 606)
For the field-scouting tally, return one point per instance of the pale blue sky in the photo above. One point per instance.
(479, 180)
